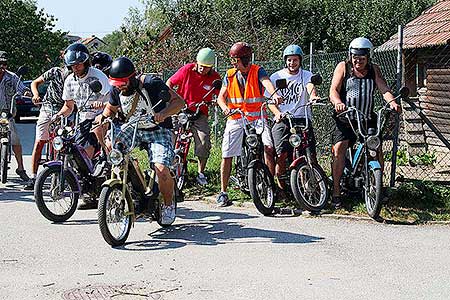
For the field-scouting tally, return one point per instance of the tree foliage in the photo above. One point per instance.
(269, 25)
(27, 35)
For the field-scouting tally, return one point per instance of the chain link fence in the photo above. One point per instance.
(421, 155)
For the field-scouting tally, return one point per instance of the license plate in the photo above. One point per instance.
(35, 109)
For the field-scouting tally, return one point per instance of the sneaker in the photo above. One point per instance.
(168, 215)
(336, 202)
(201, 179)
(23, 175)
(222, 200)
(30, 184)
(87, 203)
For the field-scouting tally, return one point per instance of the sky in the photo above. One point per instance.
(85, 18)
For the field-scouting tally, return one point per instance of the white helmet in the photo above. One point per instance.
(360, 46)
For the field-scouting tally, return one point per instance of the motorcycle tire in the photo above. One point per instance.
(311, 193)
(372, 195)
(4, 162)
(114, 217)
(262, 188)
(47, 181)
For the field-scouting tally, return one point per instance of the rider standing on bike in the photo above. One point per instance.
(193, 81)
(127, 101)
(243, 86)
(51, 104)
(77, 92)
(8, 83)
(295, 97)
(353, 84)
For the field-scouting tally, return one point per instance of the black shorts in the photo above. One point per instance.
(344, 132)
(86, 138)
(281, 134)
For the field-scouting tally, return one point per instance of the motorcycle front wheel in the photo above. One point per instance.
(55, 203)
(310, 187)
(4, 162)
(372, 193)
(262, 188)
(114, 214)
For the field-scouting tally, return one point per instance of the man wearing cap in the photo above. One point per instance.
(193, 81)
(10, 84)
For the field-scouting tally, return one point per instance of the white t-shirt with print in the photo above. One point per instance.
(78, 89)
(295, 95)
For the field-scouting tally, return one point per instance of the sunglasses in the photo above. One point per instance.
(234, 60)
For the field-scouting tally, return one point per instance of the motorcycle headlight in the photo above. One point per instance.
(373, 142)
(182, 118)
(252, 140)
(295, 140)
(115, 157)
(4, 115)
(60, 131)
(58, 143)
(4, 121)
(259, 126)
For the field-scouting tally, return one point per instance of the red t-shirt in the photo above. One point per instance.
(192, 86)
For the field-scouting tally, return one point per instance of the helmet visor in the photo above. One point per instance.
(360, 51)
(75, 57)
(120, 81)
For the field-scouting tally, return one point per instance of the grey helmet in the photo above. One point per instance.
(360, 46)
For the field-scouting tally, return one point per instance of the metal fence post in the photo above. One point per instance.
(397, 119)
(311, 59)
(216, 117)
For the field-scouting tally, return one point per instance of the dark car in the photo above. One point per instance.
(24, 104)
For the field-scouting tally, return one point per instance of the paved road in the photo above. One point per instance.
(210, 253)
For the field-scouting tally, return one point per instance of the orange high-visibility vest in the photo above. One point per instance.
(253, 98)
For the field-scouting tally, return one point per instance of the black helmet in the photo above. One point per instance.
(76, 53)
(101, 60)
(121, 70)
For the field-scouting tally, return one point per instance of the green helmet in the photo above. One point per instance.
(206, 57)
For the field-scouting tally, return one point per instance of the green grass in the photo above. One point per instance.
(412, 202)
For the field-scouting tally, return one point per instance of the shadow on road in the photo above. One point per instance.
(213, 228)
(12, 191)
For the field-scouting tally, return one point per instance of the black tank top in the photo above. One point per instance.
(359, 92)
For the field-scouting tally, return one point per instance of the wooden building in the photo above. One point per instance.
(426, 71)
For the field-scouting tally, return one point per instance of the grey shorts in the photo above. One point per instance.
(13, 130)
(42, 125)
(201, 134)
(281, 134)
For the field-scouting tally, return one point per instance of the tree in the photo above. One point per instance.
(269, 25)
(27, 35)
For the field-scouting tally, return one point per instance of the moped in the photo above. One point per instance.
(72, 174)
(363, 169)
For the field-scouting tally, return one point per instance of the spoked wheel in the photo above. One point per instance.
(310, 187)
(114, 216)
(372, 193)
(180, 175)
(262, 188)
(4, 162)
(242, 175)
(55, 202)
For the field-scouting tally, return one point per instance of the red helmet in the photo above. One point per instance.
(241, 49)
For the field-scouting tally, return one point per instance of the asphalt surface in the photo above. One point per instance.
(212, 253)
